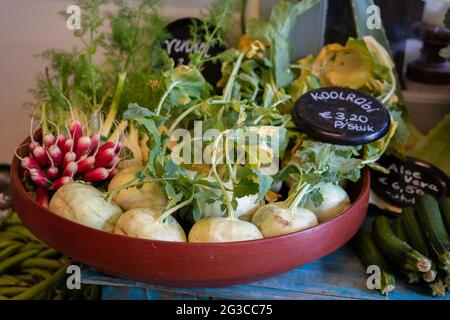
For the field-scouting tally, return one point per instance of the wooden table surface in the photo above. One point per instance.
(339, 275)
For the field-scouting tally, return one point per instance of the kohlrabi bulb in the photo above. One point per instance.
(216, 229)
(246, 205)
(143, 223)
(275, 219)
(335, 200)
(86, 205)
(150, 195)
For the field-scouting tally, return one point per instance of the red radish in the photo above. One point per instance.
(75, 130)
(48, 140)
(96, 175)
(117, 146)
(60, 182)
(113, 162)
(70, 169)
(32, 146)
(113, 173)
(69, 157)
(107, 145)
(52, 173)
(105, 157)
(37, 176)
(83, 146)
(42, 196)
(68, 146)
(95, 143)
(86, 164)
(40, 155)
(60, 141)
(55, 154)
(29, 163)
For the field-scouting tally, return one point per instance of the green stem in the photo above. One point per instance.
(392, 90)
(111, 117)
(229, 87)
(181, 117)
(164, 96)
(304, 190)
(44, 124)
(231, 213)
(173, 209)
(133, 183)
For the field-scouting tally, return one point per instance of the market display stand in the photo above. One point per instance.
(339, 275)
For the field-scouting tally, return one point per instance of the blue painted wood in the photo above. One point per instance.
(339, 275)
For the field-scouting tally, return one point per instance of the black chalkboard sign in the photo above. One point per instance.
(179, 45)
(407, 180)
(341, 116)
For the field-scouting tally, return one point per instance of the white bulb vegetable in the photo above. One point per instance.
(84, 204)
(216, 229)
(335, 201)
(146, 224)
(150, 195)
(277, 219)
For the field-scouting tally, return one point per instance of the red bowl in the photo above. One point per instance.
(189, 264)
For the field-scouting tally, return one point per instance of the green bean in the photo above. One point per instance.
(7, 243)
(32, 245)
(9, 251)
(11, 291)
(17, 259)
(13, 219)
(8, 282)
(38, 272)
(42, 263)
(24, 232)
(25, 277)
(8, 235)
(49, 253)
(48, 283)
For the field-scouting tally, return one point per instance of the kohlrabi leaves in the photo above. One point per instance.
(247, 184)
(185, 85)
(276, 32)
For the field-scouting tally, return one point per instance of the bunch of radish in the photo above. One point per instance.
(61, 159)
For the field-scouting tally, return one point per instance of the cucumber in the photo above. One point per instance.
(370, 255)
(444, 205)
(430, 220)
(417, 240)
(399, 231)
(396, 250)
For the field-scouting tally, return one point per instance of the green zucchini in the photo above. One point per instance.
(417, 240)
(369, 254)
(430, 219)
(397, 251)
(444, 204)
(399, 231)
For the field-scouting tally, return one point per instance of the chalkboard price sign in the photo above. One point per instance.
(407, 180)
(179, 45)
(341, 116)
